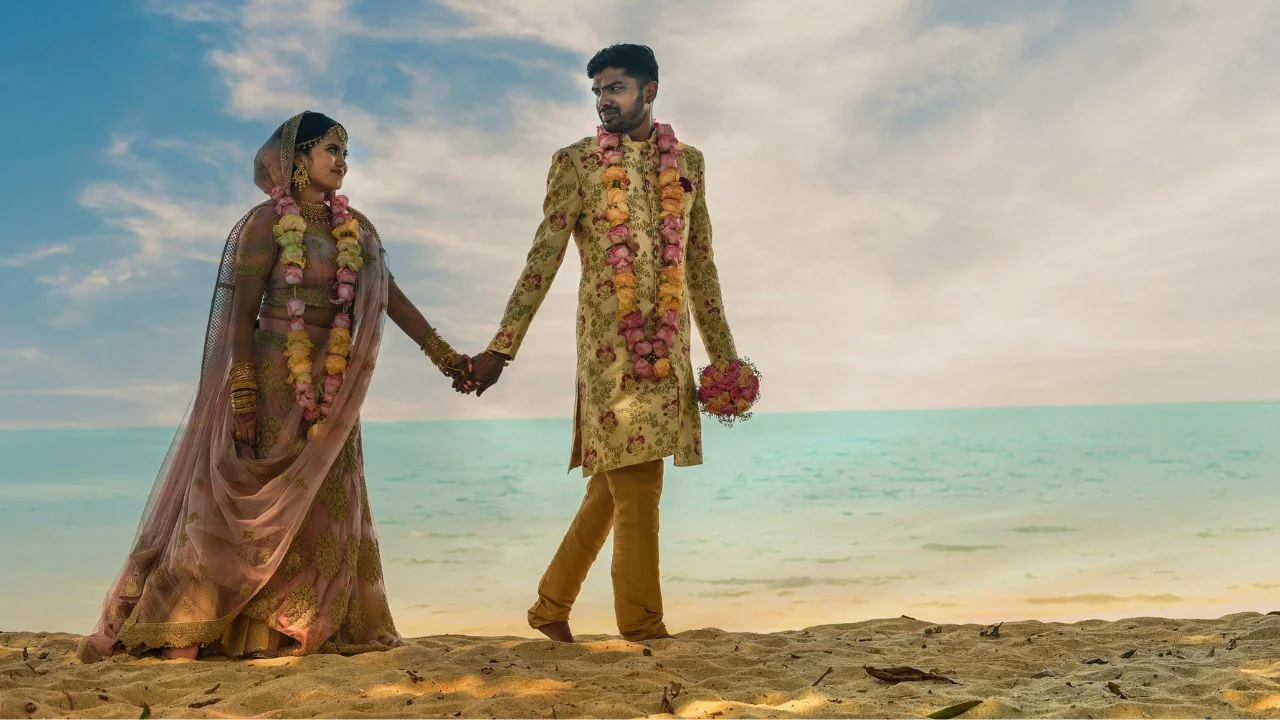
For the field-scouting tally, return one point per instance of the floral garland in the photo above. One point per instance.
(649, 352)
(728, 389)
(298, 345)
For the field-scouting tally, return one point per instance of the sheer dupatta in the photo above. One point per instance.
(218, 522)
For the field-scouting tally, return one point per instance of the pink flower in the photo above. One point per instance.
(331, 384)
(311, 414)
(671, 319)
(339, 202)
(633, 336)
(302, 401)
(342, 320)
(632, 319)
(642, 368)
(613, 157)
(326, 401)
(303, 388)
(673, 222)
(608, 140)
(669, 234)
(297, 324)
(666, 334)
(296, 306)
(346, 275)
(660, 348)
(667, 161)
(619, 253)
(623, 266)
(619, 235)
(671, 254)
(644, 348)
(706, 392)
(752, 389)
(292, 274)
(346, 292)
(667, 143)
(664, 129)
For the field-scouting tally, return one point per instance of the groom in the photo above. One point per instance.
(634, 198)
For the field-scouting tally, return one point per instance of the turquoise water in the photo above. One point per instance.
(959, 515)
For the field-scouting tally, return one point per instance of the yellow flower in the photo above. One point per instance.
(614, 173)
(289, 223)
(304, 378)
(317, 431)
(673, 275)
(662, 367)
(289, 238)
(617, 196)
(348, 229)
(627, 295)
(617, 215)
(298, 367)
(627, 306)
(626, 279)
(335, 365)
(667, 290)
(670, 176)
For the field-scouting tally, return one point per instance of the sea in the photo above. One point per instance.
(795, 520)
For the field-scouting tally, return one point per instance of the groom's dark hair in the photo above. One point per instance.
(637, 61)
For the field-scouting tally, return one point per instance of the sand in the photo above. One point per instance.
(1142, 667)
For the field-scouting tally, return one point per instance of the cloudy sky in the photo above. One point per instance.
(917, 204)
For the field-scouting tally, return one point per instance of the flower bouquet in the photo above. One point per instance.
(728, 389)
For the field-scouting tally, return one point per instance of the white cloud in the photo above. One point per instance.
(34, 256)
(1044, 208)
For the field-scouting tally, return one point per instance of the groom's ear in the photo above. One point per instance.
(650, 92)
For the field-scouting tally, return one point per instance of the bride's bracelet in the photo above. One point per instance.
(441, 354)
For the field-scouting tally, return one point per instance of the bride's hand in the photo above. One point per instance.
(460, 371)
(245, 429)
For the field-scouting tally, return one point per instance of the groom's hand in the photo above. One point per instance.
(460, 370)
(486, 368)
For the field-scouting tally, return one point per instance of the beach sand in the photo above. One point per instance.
(1142, 667)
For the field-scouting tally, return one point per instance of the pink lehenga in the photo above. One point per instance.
(270, 549)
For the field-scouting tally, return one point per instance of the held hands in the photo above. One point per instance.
(485, 369)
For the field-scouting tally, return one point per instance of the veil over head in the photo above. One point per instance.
(220, 518)
(273, 165)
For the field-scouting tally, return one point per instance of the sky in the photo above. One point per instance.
(916, 204)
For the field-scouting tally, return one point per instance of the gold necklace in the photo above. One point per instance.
(317, 213)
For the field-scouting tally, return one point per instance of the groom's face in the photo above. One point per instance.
(621, 101)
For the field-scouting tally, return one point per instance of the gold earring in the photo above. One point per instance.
(300, 177)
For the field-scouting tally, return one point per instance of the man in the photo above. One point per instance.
(634, 199)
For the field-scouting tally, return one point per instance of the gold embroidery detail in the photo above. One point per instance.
(338, 608)
(248, 269)
(293, 561)
(334, 495)
(312, 296)
(263, 605)
(177, 634)
(301, 605)
(328, 556)
(357, 624)
(369, 563)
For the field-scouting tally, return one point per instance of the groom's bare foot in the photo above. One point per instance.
(558, 631)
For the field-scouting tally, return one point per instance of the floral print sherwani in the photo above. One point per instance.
(619, 420)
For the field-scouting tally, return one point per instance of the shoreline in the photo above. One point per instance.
(1132, 667)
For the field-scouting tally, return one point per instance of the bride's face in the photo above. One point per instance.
(326, 164)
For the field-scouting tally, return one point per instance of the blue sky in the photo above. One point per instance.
(917, 203)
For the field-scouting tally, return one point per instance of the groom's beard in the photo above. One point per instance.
(624, 122)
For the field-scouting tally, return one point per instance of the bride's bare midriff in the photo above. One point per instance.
(320, 317)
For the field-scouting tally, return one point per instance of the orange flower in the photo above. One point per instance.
(714, 407)
(627, 295)
(671, 206)
(673, 274)
(615, 173)
(670, 176)
(667, 290)
(673, 192)
(617, 215)
(626, 279)
(662, 367)
(743, 405)
(617, 196)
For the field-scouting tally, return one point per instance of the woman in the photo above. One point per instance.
(257, 538)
